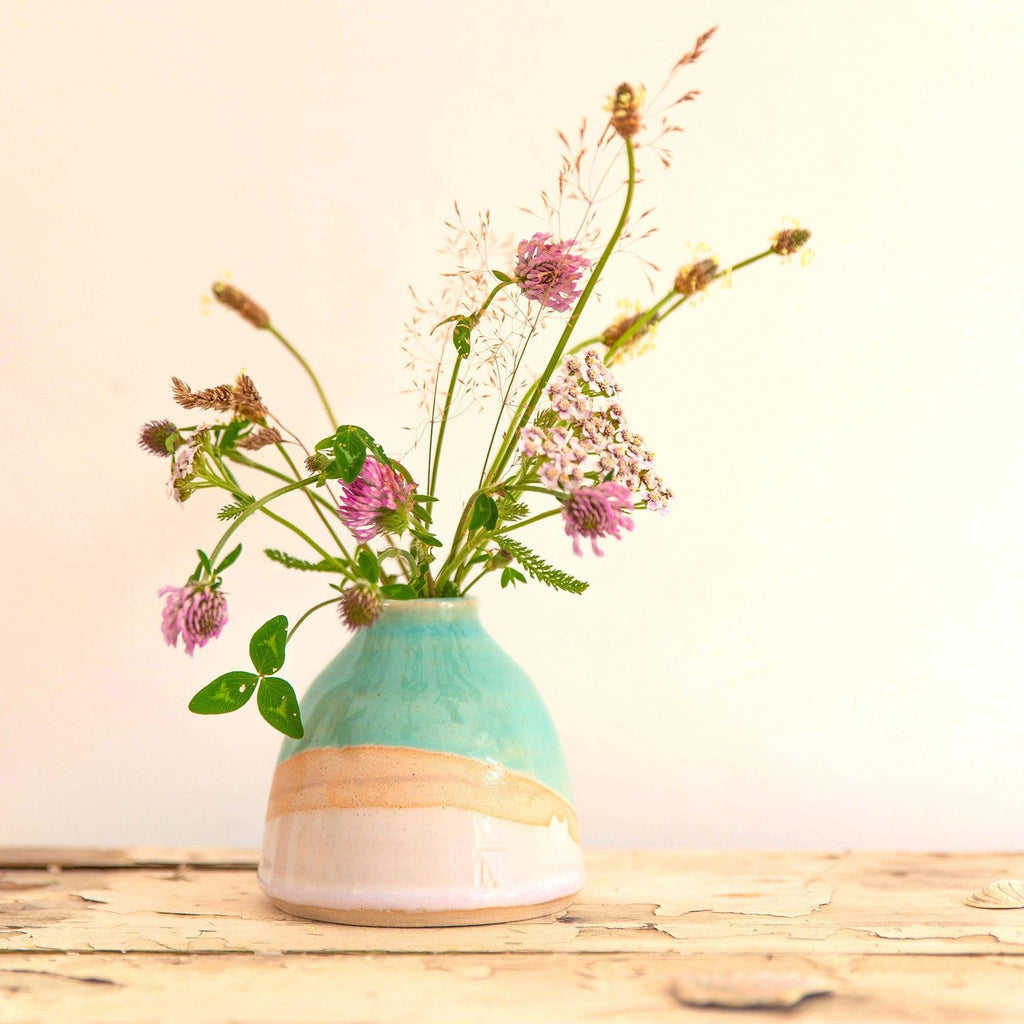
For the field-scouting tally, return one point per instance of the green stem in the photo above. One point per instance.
(299, 532)
(508, 391)
(242, 496)
(309, 370)
(432, 477)
(530, 521)
(255, 507)
(476, 579)
(536, 490)
(312, 500)
(456, 555)
(434, 467)
(627, 336)
(306, 614)
(523, 414)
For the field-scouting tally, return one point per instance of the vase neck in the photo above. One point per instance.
(426, 613)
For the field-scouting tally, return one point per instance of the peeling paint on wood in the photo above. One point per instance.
(889, 931)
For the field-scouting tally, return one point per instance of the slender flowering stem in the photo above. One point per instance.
(298, 531)
(276, 473)
(642, 321)
(456, 555)
(255, 507)
(306, 614)
(432, 476)
(537, 490)
(527, 408)
(476, 579)
(325, 555)
(309, 370)
(723, 273)
(627, 336)
(508, 392)
(458, 570)
(312, 500)
(527, 522)
(434, 465)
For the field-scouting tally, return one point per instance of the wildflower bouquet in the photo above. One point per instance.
(560, 444)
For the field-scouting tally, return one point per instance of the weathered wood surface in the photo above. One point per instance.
(149, 935)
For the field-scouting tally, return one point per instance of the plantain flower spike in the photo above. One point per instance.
(789, 240)
(234, 298)
(695, 277)
(625, 107)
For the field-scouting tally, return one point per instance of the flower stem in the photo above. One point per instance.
(508, 391)
(309, 370)
(475, 580)
(312, 500)
(252, 464)
(434, 465)
(528, 522)
(298, 531)
(255, 507)
(526, 409)
(432, 476)
(306, 614)
(627, 336)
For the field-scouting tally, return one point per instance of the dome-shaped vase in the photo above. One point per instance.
(429, 788)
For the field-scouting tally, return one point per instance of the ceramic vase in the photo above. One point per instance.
(429, 788)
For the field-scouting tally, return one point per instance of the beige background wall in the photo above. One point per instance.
(821, 644)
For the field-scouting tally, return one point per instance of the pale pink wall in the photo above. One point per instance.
(820, 646)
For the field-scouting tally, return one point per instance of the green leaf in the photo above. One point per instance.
(266, 648)
(279, 706)
(424, 498)
(428, 538)
(539, 569)
(230, 560)
(460, 336)
(398, 592)
(368, 565)
(226, 693)
(484, 514)
(511, 511)
(290, 562)
(230, 435)
(503, 278)
(349, 452)
(233, 511)
(204, 561)
(378, 453)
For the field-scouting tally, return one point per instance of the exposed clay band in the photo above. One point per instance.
(427, 919)
(372, 776)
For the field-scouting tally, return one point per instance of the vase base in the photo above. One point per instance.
(426, 918)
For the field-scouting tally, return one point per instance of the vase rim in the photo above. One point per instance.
(427, 607)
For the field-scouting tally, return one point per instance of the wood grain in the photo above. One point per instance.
(99, 941)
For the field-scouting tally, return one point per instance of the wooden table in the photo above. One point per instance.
(185, 935)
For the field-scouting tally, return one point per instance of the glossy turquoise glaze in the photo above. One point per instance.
(427, 675)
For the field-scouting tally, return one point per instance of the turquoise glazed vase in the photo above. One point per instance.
(430, 786)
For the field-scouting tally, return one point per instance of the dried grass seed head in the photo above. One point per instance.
(242, 399)
(261, 437)
(216, 399)
(234, 298)
(246, 401)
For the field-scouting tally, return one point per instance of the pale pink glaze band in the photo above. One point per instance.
(378, 829)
